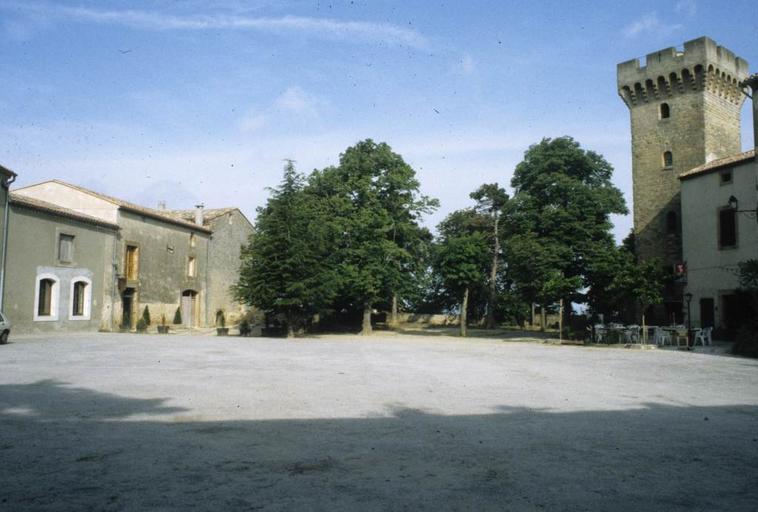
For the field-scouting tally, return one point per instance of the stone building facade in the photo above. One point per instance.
(59, 269)
(720, 230)
(6, 178)
(685, 112)
(231, 230)
(131, 257)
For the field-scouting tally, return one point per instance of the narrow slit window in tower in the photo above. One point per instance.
(665, 111)
(668, 159)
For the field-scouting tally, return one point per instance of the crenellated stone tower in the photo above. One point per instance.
(685, 111)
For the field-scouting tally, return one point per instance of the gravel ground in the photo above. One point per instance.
(127, 422)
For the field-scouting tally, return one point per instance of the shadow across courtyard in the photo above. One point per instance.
(66, 448)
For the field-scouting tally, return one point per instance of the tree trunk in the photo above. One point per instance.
(290, 319)
(565, 312)
(366, 327)
(644, 328)
(493, 280)
(464, 307)
(393, 314)
(543, 318)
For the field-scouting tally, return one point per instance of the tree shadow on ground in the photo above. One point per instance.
(66, 448)
(473, 332)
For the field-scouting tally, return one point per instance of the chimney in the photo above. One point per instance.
(752, 82)
(199, 214)
(161, 205)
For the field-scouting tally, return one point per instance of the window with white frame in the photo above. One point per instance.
(46, 295)
(81, 299)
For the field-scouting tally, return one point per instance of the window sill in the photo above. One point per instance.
(45, 318)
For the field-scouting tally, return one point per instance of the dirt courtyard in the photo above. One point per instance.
(129, 422)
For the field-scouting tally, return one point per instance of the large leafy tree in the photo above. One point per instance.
(558, 222)
(376, 206)
(490, 200)
(288, 266)
(461, 257)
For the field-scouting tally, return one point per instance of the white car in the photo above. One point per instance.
(5, 329)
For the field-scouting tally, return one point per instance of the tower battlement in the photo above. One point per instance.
(703, 65)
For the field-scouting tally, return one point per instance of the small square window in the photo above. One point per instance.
(65, 248)
(726, 177)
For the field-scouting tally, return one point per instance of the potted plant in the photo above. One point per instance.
(178, 316)
(163, 327)
(245, 328)
(221, 328)
(141, 325)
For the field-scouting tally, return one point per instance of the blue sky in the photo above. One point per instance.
(201, 101)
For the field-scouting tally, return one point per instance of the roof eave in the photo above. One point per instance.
(57, 211)
(164, 218)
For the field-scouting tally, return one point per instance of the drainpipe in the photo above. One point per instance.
(6, 216)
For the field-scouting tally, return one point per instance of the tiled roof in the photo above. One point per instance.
(44, 206)
(718, 164)
(142, 210)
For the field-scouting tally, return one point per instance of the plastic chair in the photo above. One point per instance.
(704, 336)
(661, 337)
(600, 333)
(632, 333)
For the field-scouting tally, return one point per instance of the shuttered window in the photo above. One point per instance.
(65, 248)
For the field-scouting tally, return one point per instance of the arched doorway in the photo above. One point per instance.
(189, 308)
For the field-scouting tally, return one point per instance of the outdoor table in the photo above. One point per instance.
(678, 334)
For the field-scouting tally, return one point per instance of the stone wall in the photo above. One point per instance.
(164, 251)
(231, 231)
(700, 88)
(33, 252)
(686, 103)
(712, 271)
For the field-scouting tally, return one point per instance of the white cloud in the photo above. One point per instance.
(252, 121)
(296, 101)
(686, 7)
(650, 23)
(360, 31)
(466, 65)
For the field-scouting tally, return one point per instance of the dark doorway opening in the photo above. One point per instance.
(127, 305)
(707, 313)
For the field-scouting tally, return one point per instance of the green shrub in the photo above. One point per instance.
(746, 342)
(178, 316)
(146, 315)
(141, 325)
(220, 318)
